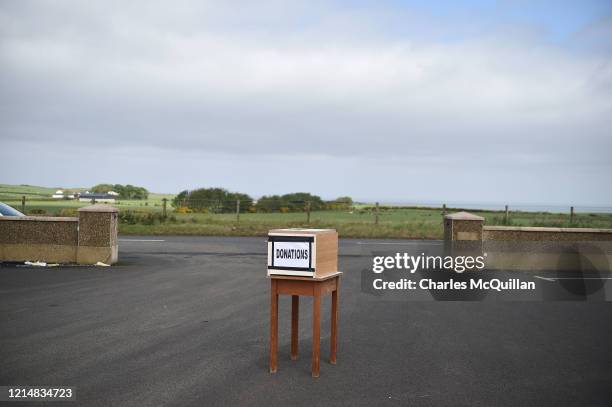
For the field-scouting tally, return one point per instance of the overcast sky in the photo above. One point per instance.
(385, 100)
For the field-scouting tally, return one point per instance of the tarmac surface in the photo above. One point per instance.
(183, 321)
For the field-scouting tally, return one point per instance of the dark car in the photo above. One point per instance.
(6, 210)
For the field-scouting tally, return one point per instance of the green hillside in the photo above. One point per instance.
(16, 191)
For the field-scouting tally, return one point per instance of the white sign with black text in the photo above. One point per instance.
(291, 255)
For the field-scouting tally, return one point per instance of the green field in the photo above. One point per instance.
(16, 191)
(417, 223)
(144, 218)
(39, 201)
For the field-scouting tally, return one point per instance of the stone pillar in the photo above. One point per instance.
(463, 234)
(97, 235)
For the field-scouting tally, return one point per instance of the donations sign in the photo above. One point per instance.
(291, 253)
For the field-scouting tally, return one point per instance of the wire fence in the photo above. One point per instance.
(34, 203)
(42, 204)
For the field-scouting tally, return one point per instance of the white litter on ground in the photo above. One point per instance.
(102, 264)
(35, 263)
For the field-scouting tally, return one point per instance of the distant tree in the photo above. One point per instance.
(297, 201)
(346, 200)
(132, 192)
(246, 202)
(102, 188)
(216, 200)
(124, 191)
(340, 203)
(294, 202)
(271, 203)
(179, 200)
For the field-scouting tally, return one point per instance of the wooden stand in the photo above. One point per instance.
(314, 287)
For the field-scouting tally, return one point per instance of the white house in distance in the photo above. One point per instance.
(108, 197)
(59, 194)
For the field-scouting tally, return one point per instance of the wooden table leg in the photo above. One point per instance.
(316, 329)
(295, 315)
(273, 325)
(334, 327)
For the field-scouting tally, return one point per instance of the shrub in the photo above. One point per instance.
(341, 203)
(214, 200)
(37, 211)
(295, 202)
(139, 217)
(68, 212)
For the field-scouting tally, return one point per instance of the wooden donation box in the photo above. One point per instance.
(303, 262)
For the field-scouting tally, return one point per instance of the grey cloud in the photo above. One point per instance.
(267, 81)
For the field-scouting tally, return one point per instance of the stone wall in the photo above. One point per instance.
(509, 233)
(557, 249)
(38, 238)
(531, 248)
(86, 239)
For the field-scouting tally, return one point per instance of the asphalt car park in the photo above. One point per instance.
(183, 321)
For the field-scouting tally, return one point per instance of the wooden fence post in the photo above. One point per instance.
(165, 201)
(571, 214)
(23, 199)
(308, 212)
(376, 215)
(237, 211)
(506, 216)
